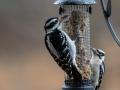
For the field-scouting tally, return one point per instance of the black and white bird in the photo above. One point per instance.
(61, 47)
(97, 67)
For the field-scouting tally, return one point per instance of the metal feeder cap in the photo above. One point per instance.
(74, 2)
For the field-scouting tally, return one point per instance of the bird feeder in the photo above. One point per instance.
(77, 25)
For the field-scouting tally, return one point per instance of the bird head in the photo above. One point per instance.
(53, 23)
(98, 53)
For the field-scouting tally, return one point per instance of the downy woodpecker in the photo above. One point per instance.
(61, 47)
(97, 67)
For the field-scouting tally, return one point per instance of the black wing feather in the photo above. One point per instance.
(64, 61)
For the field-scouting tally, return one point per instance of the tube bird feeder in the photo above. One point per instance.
(78, 24)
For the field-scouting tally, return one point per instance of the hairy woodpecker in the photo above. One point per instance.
(97, 67)
(61, 47)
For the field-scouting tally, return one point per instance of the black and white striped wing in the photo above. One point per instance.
(57, 45)
(102, 71)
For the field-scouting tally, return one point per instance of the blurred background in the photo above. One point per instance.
(25, 63)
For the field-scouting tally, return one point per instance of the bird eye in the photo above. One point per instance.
(55, 21)
(102, 54)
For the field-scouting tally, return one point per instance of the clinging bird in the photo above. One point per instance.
(61, 47)
(97, 67)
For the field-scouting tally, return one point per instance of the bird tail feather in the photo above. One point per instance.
(76, 74)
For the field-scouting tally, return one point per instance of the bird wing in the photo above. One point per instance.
(57, 45)
(102, 71)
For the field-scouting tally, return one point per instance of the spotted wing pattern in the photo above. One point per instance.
(57, 45)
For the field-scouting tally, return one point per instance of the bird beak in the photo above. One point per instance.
(63, 18)
(94, 50)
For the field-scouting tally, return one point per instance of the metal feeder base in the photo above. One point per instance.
(71, 85)
(77, 88)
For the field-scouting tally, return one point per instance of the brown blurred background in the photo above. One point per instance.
(25, 63)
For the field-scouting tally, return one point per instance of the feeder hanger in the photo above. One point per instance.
(107, 14)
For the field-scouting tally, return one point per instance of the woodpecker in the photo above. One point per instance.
(61, 47)
(97, 67)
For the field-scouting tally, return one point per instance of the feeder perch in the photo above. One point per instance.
(77, 24)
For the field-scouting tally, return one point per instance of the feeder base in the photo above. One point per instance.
(77, 88)
(84, 85)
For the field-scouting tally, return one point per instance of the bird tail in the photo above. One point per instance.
(76, 74)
